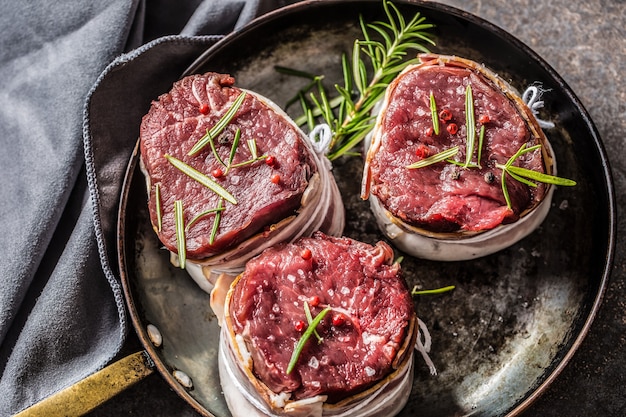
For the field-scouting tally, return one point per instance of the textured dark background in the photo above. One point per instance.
(585, 42)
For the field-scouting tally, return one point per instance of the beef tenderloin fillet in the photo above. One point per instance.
(370, 330)
(265, 192)
(444, 197)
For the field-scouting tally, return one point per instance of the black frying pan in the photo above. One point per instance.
(516, 317)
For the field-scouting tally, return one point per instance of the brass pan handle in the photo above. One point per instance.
(96, 389)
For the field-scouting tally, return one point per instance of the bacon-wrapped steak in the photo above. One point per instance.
(257, 179)
(454, 208)
(362, 348)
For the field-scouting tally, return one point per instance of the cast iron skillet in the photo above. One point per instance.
(515, 318)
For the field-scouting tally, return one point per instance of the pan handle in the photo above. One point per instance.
(89, 393)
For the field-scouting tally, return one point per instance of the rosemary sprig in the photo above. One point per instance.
(526, 176)
(304, 338)
(219, 126)
(415, 291)
(181, 243)
(433, 159)
(201, 178)
(350, 119)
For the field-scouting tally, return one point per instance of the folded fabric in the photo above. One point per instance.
(62, 314)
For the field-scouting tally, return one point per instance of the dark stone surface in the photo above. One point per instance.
(585, 42)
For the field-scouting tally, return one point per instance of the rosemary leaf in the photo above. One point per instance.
(470, 125)
(505, 190)
(384, 34)
(304, 338)
(201, 215)
(433, 159)
(309, 319)
(539, 176)
(325, 104)
(307, 117)
(299, 96)
(356, 65)
(312, 113)
(363, 73)
(214, 149)
(344, 106)
(346, 98)
(521, 179)
(461, 164)
(393, 71)
(419, 46)
(181, 244)
(219, 126)
(159, 210)
(415, 291)
(216, 221)
(249, 161)
(521, 151)
(310, 119)
(253, 149)
(354, 139)
(366, 37)
(201, 178)
(319, 106)
(524, 175)
(233, 148)
(433, 113)
(294, 72)
(481, 138)
(401, 21)
(392, 23)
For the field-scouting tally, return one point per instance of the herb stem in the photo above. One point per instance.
(181, 243)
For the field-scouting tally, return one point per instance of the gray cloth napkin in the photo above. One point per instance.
(75, 79)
